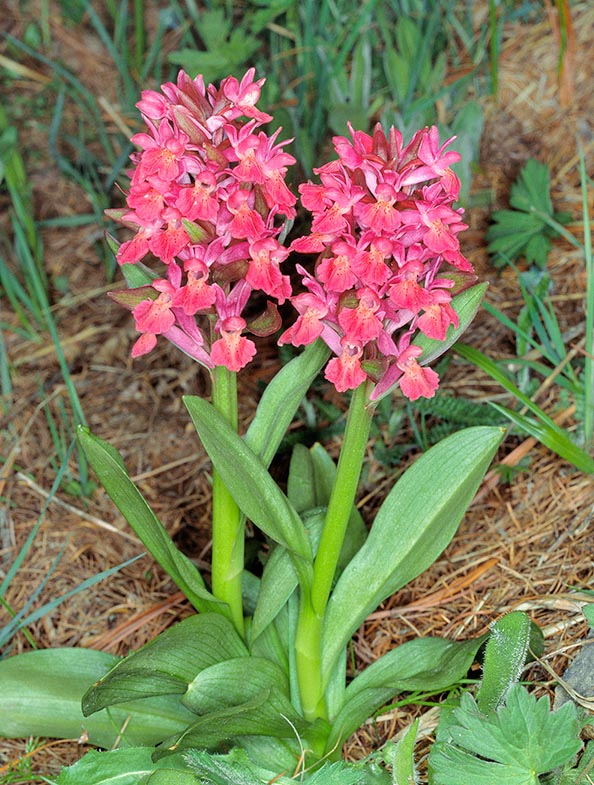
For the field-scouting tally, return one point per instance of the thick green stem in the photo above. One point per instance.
(313, 608)
(227, 519)
(343, 496)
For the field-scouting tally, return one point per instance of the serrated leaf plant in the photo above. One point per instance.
(526, 230)
(506, 736)
(261, 665)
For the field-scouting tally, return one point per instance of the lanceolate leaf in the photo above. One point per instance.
(553, 437)
(423, 664)
(42, 692)
(168, 663)
(111, 471)
(247, 479)
(416, 521)
(281, 400)
(265, 714)
(230, 682)
(544, 429)
(279, 579)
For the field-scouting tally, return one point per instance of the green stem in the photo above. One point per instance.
(312, 609)
(227, 519)
(342, 497)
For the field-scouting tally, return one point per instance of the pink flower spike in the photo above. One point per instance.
(416, 382)
(197, 294)
(167, 243)
(152, 105)
(198, 201)
(246, 223)
(135, 249)
(156, 316)
(380, 215)
(345, 372)
(405, 292)
(232, 350)
(335, 271)
(244, 95)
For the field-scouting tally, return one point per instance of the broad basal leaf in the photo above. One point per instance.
(268, 713)
(111, 471)
(416, 521)
(422, 664)
(169, 663)
(41, 693)
(230, 682)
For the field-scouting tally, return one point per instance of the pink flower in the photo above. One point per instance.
(383, 225)
(264, 272)
(309, 325)
(232, 350)
(208, 199)
(345, 371)
(416, 382)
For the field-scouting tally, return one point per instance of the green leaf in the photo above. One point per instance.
(505, 656)
(525, 231)
(42, 692)
(172, 777)
(415, 523)
(246, 478)
(545, 430)
(466, 305)
(513, 746)
(111, 471)
(552, 436)
(230, 682)
(232, 769)
(137, 275)
(128, 766)
(267, 713)
(422, 664)
(401, 757)
(282, 398)
(168, 663)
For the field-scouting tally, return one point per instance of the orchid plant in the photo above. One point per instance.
(262, 664)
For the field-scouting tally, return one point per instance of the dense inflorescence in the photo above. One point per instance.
(383, 226)
(208, 198)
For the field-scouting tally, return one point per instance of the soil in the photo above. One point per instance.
(526, 544)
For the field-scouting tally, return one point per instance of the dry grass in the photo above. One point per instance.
(520, 546)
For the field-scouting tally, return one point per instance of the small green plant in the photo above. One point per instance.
(506, 736)
(526, 230)
(517, 744)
